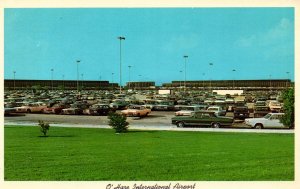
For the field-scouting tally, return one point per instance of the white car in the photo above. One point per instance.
(271, 120)
(187, 110)
(275, 106)
(218, 110)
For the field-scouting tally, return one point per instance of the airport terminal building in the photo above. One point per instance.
(276, 84)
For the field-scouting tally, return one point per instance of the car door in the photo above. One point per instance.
(206, 119)
(193, 120)
(276, 121)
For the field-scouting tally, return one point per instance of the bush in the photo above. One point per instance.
(44, 127)
(288, 108)
(118, 122)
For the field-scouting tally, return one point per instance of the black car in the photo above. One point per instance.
(241, 112)
(100, 109)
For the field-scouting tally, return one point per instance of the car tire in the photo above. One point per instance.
(28, 111)
(180, 124)
(258, 126)
(216, 125)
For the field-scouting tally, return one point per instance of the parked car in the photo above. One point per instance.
(164, 106)
(260, 111)
(202, 118)
(35, 107)
(187, 110)
(136, 111)
(149, 104)
(271, 120)
(241, 112)
(75, 109)
(218, 110)
(99, 109)
(9, 109)
(275, 106)
(118, 104)
(55, 109)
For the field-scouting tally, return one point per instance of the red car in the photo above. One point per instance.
(55, 109)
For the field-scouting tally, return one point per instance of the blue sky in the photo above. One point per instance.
(256, 42)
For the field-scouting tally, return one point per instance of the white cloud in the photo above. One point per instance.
(280, 33)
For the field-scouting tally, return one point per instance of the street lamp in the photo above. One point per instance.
(78, 61)
(121, 38)
(185, 58)
(129, 76)
(233, 79)
(14, 80)
(52, 78)
(211, 64)
(180, 80)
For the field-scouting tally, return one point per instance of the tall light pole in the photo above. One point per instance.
(129, 76)
(78, 61)
(52, 78)
(14, 80)
(185, 58)
(233, 79)
(211, 64)
(121, 38)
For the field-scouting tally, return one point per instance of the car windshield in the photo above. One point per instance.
(135, 107)
(267, 116)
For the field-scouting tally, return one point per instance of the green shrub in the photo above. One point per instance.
(289, 108)
(118, 122)
(44, 127)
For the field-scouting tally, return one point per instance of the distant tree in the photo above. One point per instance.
(118, 122)
(60, 87)
(36, 88)
(44, 127)
(288, 97)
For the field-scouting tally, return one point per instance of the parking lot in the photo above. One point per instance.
(90, 108)
(157, 120)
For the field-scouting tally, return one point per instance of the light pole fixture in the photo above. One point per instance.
(121, 38)
(233, 79)
(185, 58)
(14, 80)
(211, 64)
(78, 61)
(129, 76)
(52, 78)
